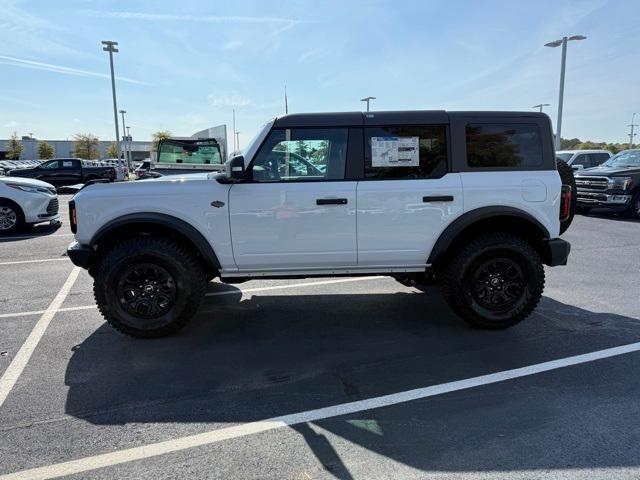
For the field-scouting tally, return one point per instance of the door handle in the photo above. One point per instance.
(438, 198)
(331, 201)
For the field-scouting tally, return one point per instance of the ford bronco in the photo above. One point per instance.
(471, 200)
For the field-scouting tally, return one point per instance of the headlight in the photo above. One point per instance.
(29, 188)
(620, 183)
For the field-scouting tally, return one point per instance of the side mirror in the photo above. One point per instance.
(234, 168)
(577, 167)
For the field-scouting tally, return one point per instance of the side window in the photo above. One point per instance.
(599, 158)
(405, 152)
(582, 159)
(50, 165)
(515, 145)
(301, 155)
(70, 164)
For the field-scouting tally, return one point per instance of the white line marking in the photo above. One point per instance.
(161, 448)
(38, 312)
(26, 237)
(18, 262)
(293, 285)
(19, 362)
(210, 294)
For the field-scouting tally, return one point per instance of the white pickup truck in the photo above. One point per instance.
(473, 200)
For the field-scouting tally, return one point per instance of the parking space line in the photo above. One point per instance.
(293, 285)
(26, 237)
(210, 294)
(18, 262)
(19, 362)
(214, 436)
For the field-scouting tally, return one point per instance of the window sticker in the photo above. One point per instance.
(395, 151)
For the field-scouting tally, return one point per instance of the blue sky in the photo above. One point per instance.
(184, 65)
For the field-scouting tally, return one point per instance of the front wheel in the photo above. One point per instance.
(495, 281)
(11, 217)
(148, 286)
(633, 210)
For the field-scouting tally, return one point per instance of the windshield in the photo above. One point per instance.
(564, 156)
(200, 152)
(628, 158)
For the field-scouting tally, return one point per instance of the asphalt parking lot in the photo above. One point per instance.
(357, 378)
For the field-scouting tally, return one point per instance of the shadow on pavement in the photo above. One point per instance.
(40, 230)
(252, 359)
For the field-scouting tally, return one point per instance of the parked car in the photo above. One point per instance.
(580, 159)
(66, 171)
(613, 186)
(472, 199)
(120, 165)
(144, 170)
(26, 201)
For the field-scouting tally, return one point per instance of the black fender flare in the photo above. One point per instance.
(455, 228)
(153, 218)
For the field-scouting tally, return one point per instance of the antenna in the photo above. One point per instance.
(286, 103)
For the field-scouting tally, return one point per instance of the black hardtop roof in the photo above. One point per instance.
(400, 117)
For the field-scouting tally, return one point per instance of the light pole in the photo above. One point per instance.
(554, 44)
(238, 140)
(234, 131)
(128, 147)
(631, 134)
(122, 112)
(367, 99)
(541, 105)
(110, 47)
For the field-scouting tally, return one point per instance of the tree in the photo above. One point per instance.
(86, 146)
(45, 151)
(112, 151)
(14, 147)
(157, 136)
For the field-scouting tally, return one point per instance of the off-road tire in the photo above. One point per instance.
(566, 175)
(19, 223)
(633, 210)
(458, 279)
(188, 282)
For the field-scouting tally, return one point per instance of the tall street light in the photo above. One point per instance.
(110, 47)
(554, 44)
(122, 112)
(540, 105)
(128, 148)
(367, 99)
(631, 134)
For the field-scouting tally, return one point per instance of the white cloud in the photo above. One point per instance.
(10, 124)
(232, 100)
(193, 18)
(50, 67)
(309, 54)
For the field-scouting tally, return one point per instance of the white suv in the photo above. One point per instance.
(26, 201)
(472, 199)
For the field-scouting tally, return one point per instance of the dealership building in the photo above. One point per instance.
(64, 149)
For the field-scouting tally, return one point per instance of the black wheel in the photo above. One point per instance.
(633, 210)
(11, 217)
(566, 175)
(148, 287)
(495, 281)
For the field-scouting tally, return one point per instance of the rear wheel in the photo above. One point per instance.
(148, 287)
(495, 281)
(11, 217)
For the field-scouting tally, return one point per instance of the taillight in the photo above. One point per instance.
(73, 219)
(565, 203)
